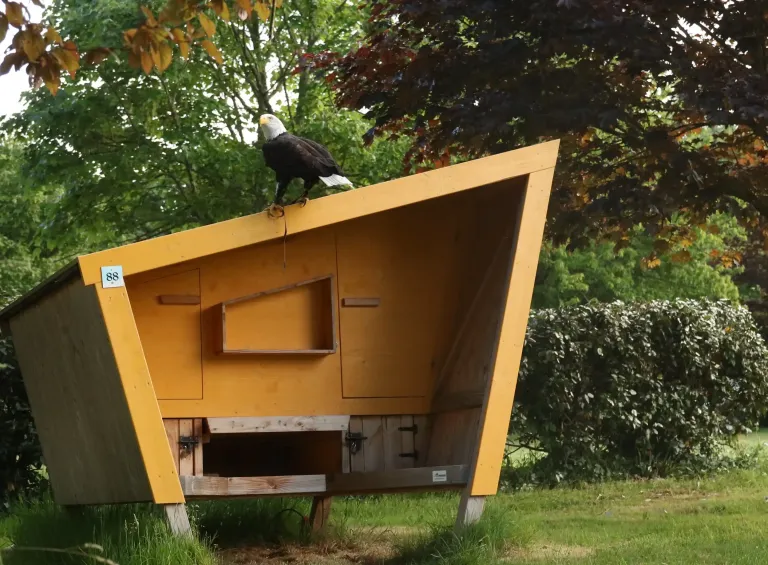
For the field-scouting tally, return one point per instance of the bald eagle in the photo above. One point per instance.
(291, 156)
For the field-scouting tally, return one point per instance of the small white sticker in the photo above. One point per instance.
(112, 277)
(440, 476)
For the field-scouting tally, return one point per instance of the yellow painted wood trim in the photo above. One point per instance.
(424, 186)
(362, 406)
(500, 393)
(140, 395)
(258, 228)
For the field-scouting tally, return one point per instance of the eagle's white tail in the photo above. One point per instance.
(335, 180)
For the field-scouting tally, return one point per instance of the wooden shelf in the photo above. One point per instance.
(296, 319)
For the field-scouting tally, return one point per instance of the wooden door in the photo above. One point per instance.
(397, 292)
(167, 313)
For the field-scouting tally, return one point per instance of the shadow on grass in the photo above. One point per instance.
(235, 523)
(134, 534)
(263, 530)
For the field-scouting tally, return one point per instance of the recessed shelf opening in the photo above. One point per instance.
(273, 454)
(296, 319)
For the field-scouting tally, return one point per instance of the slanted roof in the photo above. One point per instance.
(257, 228)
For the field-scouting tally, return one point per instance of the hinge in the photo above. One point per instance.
(188, 442)
(414, 428)
(354, 441)
(414, 454)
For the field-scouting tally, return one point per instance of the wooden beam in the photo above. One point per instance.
(470, 510)
(461, 400)
(252, 486)
(415, 477)
(178, 519)
(360, 302)
(500, 391)
(278, 424)
(179, 299)
(429, 478)
(320, 513)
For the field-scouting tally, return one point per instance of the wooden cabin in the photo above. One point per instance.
(366, 342)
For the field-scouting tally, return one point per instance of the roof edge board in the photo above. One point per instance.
(259, 228)
(64, 274)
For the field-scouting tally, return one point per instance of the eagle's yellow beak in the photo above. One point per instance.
(263, 120)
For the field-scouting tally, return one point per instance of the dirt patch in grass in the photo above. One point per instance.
(549, 551)
(314, 554)
(361, 546)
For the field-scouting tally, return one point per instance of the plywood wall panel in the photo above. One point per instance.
(78, 402)
(465, 373)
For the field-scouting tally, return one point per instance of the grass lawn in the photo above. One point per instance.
(717, 520)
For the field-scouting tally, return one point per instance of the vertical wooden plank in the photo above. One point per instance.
(140, 393)
(470, 510)
(172, 431)
(197, 464)
(374, 445)
(392, 442)
(357, 460)
(178, 519)
(345, 460)
(500, 391)
(320, 513)
(186, 456)
(421, 439)
(407, 443)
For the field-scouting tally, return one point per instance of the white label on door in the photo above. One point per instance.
(440, 476)
(112, 277)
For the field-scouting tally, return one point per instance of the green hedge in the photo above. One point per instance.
(650, 389)
(20, 455)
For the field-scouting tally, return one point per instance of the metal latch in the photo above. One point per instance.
(188, 442)
(354, 441)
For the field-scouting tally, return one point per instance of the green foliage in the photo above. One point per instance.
(22, 206)
(136, 155)
(20, 455)
(699, 267)
(637, 390)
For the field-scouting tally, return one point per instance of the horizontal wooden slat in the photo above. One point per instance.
(179, 299)
(278, 352)
(252, 486)
(278, 424)
(458, 401)
(417, 477)
(360, 302)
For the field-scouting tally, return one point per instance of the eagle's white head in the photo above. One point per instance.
(271, 126)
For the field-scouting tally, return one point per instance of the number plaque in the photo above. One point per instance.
(112, 277)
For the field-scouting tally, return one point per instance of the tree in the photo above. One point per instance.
(660, 106)
(148, 45)
(22, 206)
(139, 155)
(703, 267)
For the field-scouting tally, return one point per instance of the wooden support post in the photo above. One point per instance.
(178, 519)
(470, 510)
(320, 513)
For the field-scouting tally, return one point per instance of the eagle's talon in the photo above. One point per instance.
(302, 201)
(275, 211)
